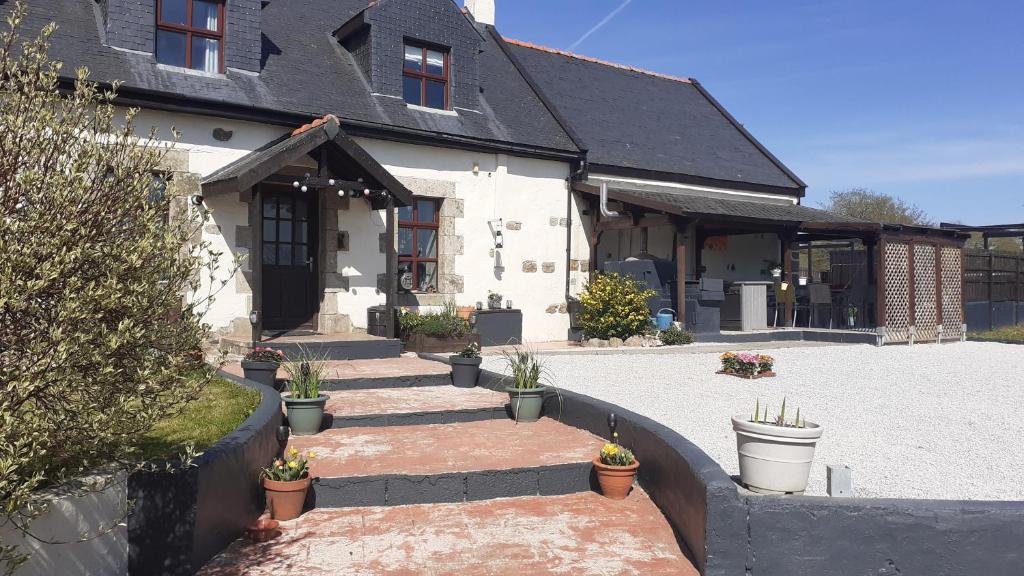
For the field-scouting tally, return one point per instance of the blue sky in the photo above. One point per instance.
(922, 99)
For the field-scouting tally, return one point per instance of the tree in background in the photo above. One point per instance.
(97, 339)
(875, 207)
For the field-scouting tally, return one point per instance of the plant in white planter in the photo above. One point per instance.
(775, 454)
(305, 404)
(466, 366)
(525, 393)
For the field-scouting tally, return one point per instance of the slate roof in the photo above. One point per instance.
(702, 205)
(306, 72)
(633, 119)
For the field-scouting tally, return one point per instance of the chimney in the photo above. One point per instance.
(482, 11)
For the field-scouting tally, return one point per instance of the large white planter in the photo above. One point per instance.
(774, 459)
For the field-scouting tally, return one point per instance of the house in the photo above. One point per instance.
(405, 153)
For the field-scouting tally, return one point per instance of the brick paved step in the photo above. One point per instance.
(397, 465)
(580, 534)
(412, 406)
(405, 372)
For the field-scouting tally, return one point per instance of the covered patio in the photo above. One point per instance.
(763, 263)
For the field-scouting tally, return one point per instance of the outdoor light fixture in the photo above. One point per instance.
(496, 225)
(476, 168)
(254, 317)
(196, 199)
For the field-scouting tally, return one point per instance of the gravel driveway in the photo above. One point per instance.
(927, 421)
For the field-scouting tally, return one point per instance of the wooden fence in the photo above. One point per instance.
(993, 276)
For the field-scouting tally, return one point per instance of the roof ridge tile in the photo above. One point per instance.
(533, 46)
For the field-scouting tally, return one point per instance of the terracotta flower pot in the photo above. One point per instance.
(285, 499)
(263, 530)
(615, 481)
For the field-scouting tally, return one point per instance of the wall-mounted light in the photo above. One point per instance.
(196, 199)
(476, 168)
(496, 226)
(254, 317)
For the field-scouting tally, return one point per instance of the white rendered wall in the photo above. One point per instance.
(526, 191)
(81, 532)
(744, 259)
(205, 155)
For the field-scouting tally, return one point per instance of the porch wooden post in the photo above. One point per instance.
(389, 273)
(787, 276)
(256, 261)
(881, 304)
(681, 281)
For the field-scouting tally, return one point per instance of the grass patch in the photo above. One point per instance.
(1004, 334)
(219, 409)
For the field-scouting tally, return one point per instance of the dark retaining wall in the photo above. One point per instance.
(181, 519)
(984, 315)
(730, 531)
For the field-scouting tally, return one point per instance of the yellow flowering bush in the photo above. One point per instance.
(614, 306)
(614, 455)
(294, 466)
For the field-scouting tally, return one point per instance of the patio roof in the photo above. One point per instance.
(711, 206)
(342, 155)
(722, 208)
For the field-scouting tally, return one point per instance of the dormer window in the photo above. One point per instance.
(425, 76)
(190, 34)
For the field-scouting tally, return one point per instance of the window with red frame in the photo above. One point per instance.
(190, 34)
(425, 76)
(417, 245)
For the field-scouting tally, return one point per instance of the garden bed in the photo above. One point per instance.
(424, 344)
(218, 410)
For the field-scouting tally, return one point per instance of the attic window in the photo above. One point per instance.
(190, 34)
(425, 76)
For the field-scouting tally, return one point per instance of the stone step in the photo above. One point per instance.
(390, 466)
(412, 406)
(580, 534)
(403, 372)
(341, 349)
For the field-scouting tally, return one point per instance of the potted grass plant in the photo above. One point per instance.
(616, 469)
(286, 482)
(261, 364)
(775, 454)
(304, 403)
(466, 366)
(525, 392)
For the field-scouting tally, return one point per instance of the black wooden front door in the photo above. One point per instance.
(289, 260)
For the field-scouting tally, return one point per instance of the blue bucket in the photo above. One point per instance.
(664, 318)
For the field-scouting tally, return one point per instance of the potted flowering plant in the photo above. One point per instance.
(261, 364)
(466, 366)
(747, 365)
(494, 300)
(775, 454)
(286, 482)
(616, 469)
(526, 393)
(305, 404)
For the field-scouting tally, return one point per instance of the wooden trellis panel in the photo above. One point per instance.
(922, 291)
(925, 313)
(896, 275)
(952, 293)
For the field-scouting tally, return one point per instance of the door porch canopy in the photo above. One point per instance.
(325, 142)
(917, 271)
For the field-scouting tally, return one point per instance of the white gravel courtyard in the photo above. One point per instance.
(929, 421)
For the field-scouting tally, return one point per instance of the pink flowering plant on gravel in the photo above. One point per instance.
(746, 363)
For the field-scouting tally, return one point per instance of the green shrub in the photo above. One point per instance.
(676, 337)
(614, 306)
(1004, 334)
(97, 340)
(443, 324)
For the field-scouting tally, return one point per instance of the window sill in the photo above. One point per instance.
(431, 110)
(191, 72)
